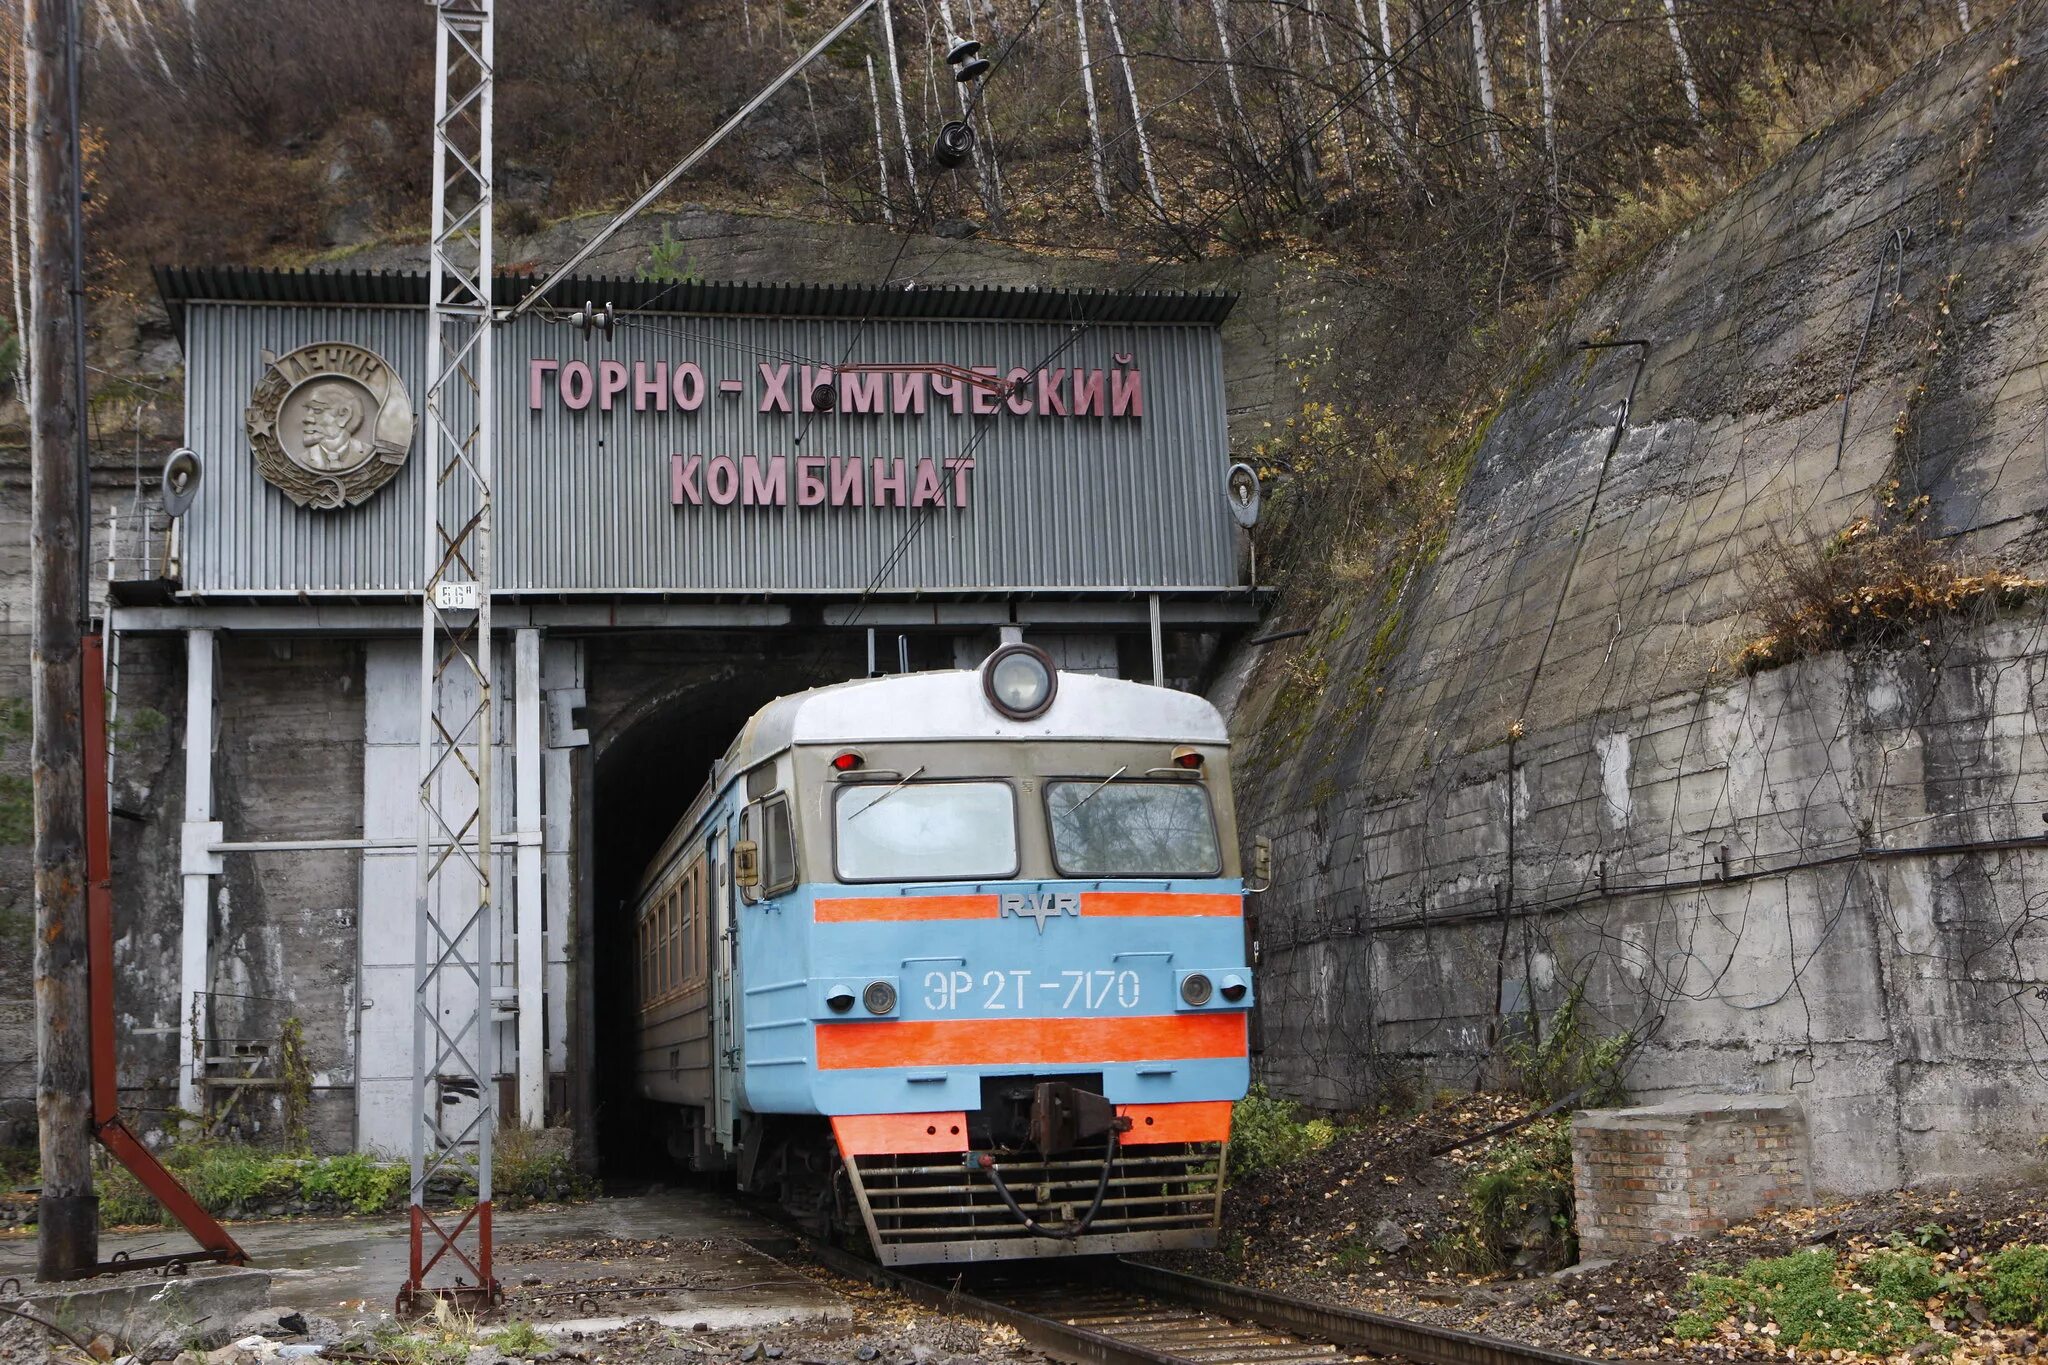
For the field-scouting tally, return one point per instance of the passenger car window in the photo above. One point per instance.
(1132, 829)
(926, 831)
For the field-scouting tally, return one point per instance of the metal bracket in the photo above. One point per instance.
(562, 705)
(197, 853)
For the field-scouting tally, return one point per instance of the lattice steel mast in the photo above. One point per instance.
(454, 1091)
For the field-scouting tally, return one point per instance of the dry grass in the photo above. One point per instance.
(1871, 583)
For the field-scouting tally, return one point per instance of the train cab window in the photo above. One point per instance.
(924, 831)
(778, 847)
(1132, 829)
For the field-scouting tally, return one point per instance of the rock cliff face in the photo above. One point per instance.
(1536, 769)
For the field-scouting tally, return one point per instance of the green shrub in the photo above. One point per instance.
(1527, 1175)
(1902, 1276)
(535, 1165)
(1266, 1131)
(2017, 1295)
(1801, 1294)
(1571, 1060)
(355, 1181)
(1692, 1325)
(519, 1339)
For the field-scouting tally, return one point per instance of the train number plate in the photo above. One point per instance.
(1026, 992)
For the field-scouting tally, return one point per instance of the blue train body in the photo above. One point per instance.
(959, 967)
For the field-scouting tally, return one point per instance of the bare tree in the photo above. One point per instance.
(896, 88)
(1244, 122)
(1096, 161)
(1322, 37)
(1484, 65)
(1555, 208)
(881, 147)
(1692, 90)
(1116, 38)
(21, 349)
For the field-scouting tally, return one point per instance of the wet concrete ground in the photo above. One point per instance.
(568, 1267)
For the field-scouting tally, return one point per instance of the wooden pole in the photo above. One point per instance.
(67, 1215)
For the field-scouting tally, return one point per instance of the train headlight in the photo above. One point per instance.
(879, 997)
(839, 999)
(1234, 987)
(1195, 988)
(1019, 681)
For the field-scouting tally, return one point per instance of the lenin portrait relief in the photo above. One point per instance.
(329, 423)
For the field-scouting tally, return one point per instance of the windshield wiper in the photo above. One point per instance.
(1098, 787)
(885, 795)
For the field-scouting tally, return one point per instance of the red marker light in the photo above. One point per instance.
(1185, 757)
(846, 760)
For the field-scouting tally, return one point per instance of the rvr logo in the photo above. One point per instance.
(1050, 905)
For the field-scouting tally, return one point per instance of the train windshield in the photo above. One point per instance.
(1132, 829)
(925, 831)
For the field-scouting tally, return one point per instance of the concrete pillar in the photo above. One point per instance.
(199, 862)
(529, 962)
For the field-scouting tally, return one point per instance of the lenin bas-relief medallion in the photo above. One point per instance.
(330, 423)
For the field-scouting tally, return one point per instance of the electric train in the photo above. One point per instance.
(956, 960)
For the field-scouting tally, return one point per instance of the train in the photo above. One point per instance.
(954, 963)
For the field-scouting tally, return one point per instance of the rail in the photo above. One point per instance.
(1143, 1315)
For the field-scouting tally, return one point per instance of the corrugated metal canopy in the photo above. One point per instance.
(181, 285)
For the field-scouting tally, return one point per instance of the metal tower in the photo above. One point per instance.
(453, 1050)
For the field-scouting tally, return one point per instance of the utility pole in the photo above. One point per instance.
(67, 1218)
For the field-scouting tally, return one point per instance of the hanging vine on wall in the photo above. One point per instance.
(296, 1078)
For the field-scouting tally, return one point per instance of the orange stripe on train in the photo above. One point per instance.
(1025, 1042)
(1186, 1121)
(1160, 903)
(859, 909)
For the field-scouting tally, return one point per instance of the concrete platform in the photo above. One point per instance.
(570, 1269)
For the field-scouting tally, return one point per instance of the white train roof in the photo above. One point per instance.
(950, 705)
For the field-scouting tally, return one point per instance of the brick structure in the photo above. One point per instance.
(1651, 1175)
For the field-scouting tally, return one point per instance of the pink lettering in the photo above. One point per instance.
(960, 470)
(1020, 396)
(885, 482)
(611, 382)
(928, 489)
(722, 480)
(764, 489)
(1050, 401)
(985, 400)
(653, 390)
(861, 393)
(1087, 393)
(1127, 393)
(689, 387)
(535, 369)
(906, 394)
(810, 480)
(574, 385)
(849, 488)
(946, 386)
(774, 388)
(683, 480)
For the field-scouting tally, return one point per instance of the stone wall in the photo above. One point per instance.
(1538, 771)
(1647, 1177)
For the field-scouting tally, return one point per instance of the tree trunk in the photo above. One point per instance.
(902, 120)
(1692, 90)
(1116, 38)
(1244, 122)
(67, 1237)
(1322, 37)
(15, 52)
(1555, 211)
(1311, 175)
(881, 145)
(1097, 162)
(1484, 65)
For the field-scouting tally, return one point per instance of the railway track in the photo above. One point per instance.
(1131, 1314)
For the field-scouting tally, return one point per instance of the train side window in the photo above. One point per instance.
(778, 847)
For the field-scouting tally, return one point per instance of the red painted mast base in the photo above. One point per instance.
(482, 1292)
(107, 1126)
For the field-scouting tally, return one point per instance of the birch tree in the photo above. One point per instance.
(1306, 146)
(1484, 66)
(896, 88)
(1244, 122)
(1321, 34)
(1096, 159)
(1692, 90)
(881, 146)
(1116, 38)
(984, 161)
(15, 57)
(1555, 213)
